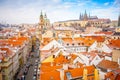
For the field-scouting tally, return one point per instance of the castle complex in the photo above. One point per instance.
(86, 17)
(85, 20)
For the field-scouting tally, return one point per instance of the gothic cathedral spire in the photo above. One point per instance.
(89, 15)
(85, 16)
(80, 17)
(45, 16)
(119, 20)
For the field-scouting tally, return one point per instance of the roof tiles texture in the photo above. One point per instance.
(115, 43)
(52, 72)
(6, 45)
(106, 64)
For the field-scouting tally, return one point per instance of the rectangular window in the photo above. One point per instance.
(68, 74)
(119, 61)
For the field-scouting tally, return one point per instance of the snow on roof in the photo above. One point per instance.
(106, 49)
(93, 46)
(53, 43)
(84, 58)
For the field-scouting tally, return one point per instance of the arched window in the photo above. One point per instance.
(73, 44)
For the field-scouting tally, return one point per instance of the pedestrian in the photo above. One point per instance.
(18, 78)
(23, 77)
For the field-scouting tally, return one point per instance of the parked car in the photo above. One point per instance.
(34, 77)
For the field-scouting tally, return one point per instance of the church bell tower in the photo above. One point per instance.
(41, 24)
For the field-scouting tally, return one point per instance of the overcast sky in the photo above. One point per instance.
(28, 11)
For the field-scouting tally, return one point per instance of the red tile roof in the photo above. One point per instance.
(97, 38)
(106, 64)
(115, 43)
(107, 33)
(61, 59)
(78, 72)
(52, 72)
(82, 41)
(113, 75)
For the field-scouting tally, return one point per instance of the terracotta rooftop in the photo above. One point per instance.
(14, 41)
(78, 72)
(113, 75)
(115, 43)
(5, 53)
(106, 64)
(49, 72)
(107, 33)
(52, 72)
(97, 38)
(80, 41)
(61, 59)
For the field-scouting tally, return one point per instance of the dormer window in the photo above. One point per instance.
(114, 37)
(67, 44)
(73, 44)
(53, 56)
(82, 43)
(78, 43)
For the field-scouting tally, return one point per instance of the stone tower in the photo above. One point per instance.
(85, 16)
(41, 21)
(119, 20)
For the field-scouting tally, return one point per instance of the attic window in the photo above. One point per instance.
(73, 44)
(114, 37)
(78, 43)
(68, 74)
(53, 56)
(67, 44)
(66, 57)
(82, 43)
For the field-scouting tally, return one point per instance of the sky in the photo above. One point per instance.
(28, 11)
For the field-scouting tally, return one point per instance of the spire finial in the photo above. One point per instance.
(85, 11)
(89, 14)
(41, 12)
(80, 16)
(85, 15)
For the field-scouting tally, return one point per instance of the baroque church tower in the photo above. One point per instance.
(44, 23)
(41, 22)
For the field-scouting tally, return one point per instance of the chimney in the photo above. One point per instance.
(66, 57)
(51, 64)
(65, 66)
(61, 74)
(53, 56)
